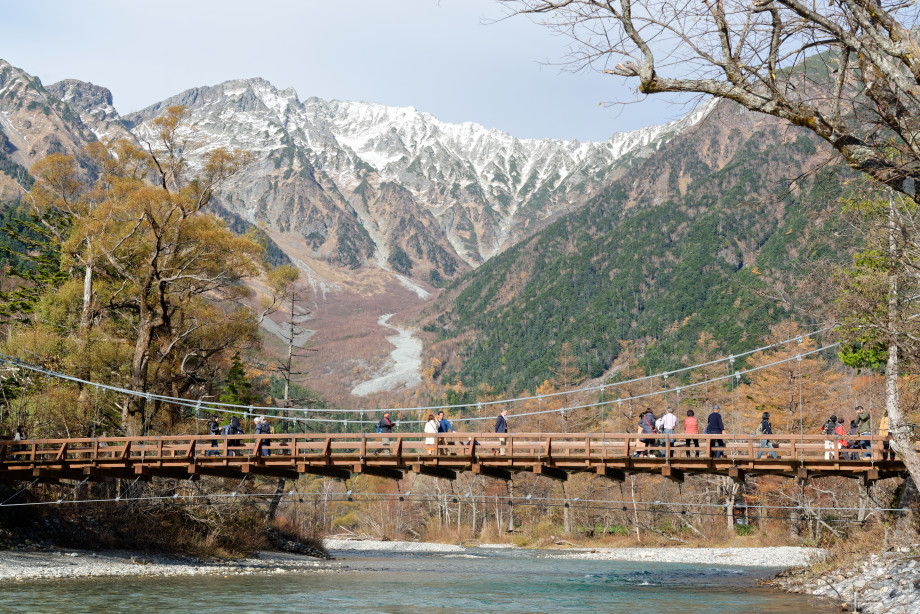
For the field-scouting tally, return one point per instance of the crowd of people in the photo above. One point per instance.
(860, 426)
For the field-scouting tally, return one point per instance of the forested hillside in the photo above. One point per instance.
(691, 240)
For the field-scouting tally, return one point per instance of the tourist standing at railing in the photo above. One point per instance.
(692, 427)
(646, 427)
(765, 428)
(828, 429)
(864, 428)
(213, 430)
(501, 426)
(430, 427)
(841, 432)
(262, 428)
(19, 435)
(385, 425)
(444, 426)
(715, 426)
(668, 426)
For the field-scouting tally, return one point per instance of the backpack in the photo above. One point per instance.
(225, 430)
(759, 430)
(379, 430)
(829, 428)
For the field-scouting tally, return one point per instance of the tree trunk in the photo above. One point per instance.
(276, 501)
(510, 506)
(898, 430)
(86, 315)
(132, 416)
(566, 511)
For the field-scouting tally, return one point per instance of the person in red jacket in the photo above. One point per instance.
(692, 427)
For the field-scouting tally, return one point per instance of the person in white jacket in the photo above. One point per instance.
(430, 427)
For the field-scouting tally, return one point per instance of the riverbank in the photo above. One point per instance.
(772, 557)
(888, 582)
(16, 565)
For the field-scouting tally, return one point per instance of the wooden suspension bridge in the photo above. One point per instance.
(553, 455)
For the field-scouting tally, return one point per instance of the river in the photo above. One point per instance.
(509, 581)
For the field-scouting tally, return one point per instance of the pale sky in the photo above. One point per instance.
(445, 57)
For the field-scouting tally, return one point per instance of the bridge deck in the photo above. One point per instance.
(554, 455)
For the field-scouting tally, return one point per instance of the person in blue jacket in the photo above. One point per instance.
(444, 426)
(714, 426)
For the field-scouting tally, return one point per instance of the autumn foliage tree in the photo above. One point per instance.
(150, 270)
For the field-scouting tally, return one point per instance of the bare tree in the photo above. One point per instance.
(847, 70)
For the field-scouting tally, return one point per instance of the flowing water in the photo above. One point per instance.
(490, 581)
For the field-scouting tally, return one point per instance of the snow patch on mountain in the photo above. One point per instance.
(404, 367)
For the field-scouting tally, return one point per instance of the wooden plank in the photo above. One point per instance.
(550, 472)
(62, 453)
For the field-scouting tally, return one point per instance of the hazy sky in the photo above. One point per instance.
(446, 57)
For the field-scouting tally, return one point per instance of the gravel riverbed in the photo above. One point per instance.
(21, 565)
(882, 584)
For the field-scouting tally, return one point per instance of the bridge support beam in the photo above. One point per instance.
(617, 475)
(801, 473)
(383, 472)
(550, 472)
(492, 472)
(438, 472)
(736, 474)
(672, 474)
(870, 476)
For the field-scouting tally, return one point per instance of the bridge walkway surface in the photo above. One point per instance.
(553, 455)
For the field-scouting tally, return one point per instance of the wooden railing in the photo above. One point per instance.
(340, 455)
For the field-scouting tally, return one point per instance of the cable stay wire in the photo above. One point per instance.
(198, 404)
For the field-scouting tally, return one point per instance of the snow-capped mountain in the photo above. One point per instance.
(350, 183)
(358, 180)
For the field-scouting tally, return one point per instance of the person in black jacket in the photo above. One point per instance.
(766, 428)
(714, 426)
(214, 430)
(385, 425)
(501, 426)
(233, 429)
(263, 428)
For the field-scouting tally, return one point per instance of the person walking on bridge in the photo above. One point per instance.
(715, 426)
(501, 426)
(668, 426)
(766, 428)
(692, 427)
(214, 430)
(646, 427)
